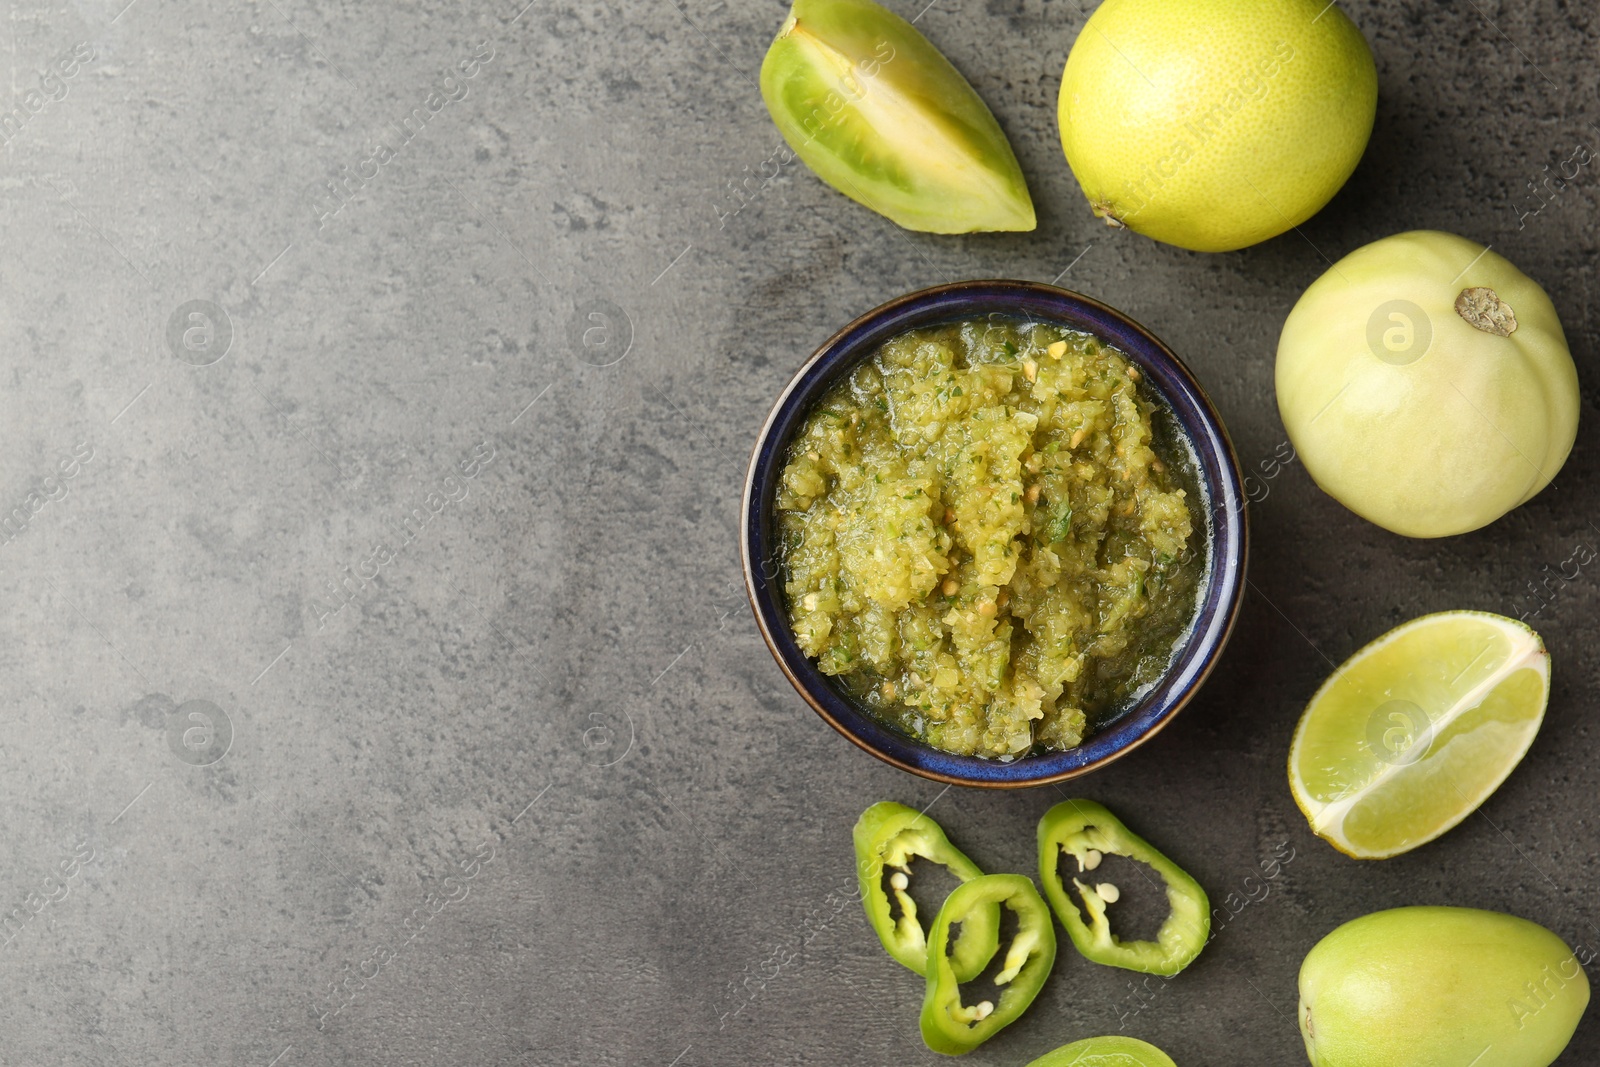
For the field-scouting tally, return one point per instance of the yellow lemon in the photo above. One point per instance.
(1215, 124)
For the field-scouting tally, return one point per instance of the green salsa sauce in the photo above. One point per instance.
(989, 535)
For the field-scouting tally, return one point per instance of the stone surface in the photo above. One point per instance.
(518, 782)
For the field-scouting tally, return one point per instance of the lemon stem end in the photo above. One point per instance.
(1105, 209)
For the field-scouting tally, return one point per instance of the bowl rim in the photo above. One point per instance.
(1218, 473)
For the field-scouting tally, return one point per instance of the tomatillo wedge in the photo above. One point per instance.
(880, 114)
(1087, 831)
(1105, 1052)
(948, 1025)
(1426, 384)
(1440, 987)
(890, 835)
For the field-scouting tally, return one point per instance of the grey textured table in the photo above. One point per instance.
(378, 686)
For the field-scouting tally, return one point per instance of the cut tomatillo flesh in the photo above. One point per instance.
(1115, 1051)
(888, 836)
(948, 1025)
(878, 113)
(1088, 832)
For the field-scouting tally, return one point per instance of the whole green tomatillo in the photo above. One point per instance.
(1440, 987)
(1426, 384)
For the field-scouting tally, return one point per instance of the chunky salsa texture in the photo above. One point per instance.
(987, 535)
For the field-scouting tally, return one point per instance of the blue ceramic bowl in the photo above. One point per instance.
(1226, 532)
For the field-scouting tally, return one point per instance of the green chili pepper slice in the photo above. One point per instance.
(1088, 831)
(951, 1027)
(1105, 1052)
(888, 835)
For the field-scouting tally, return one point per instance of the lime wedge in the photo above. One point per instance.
(1414, 731)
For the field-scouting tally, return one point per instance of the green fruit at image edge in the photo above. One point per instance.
(1426, 384)
(1440, 987)
(1215, 124)
(879, 113)
(1105, 1052)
